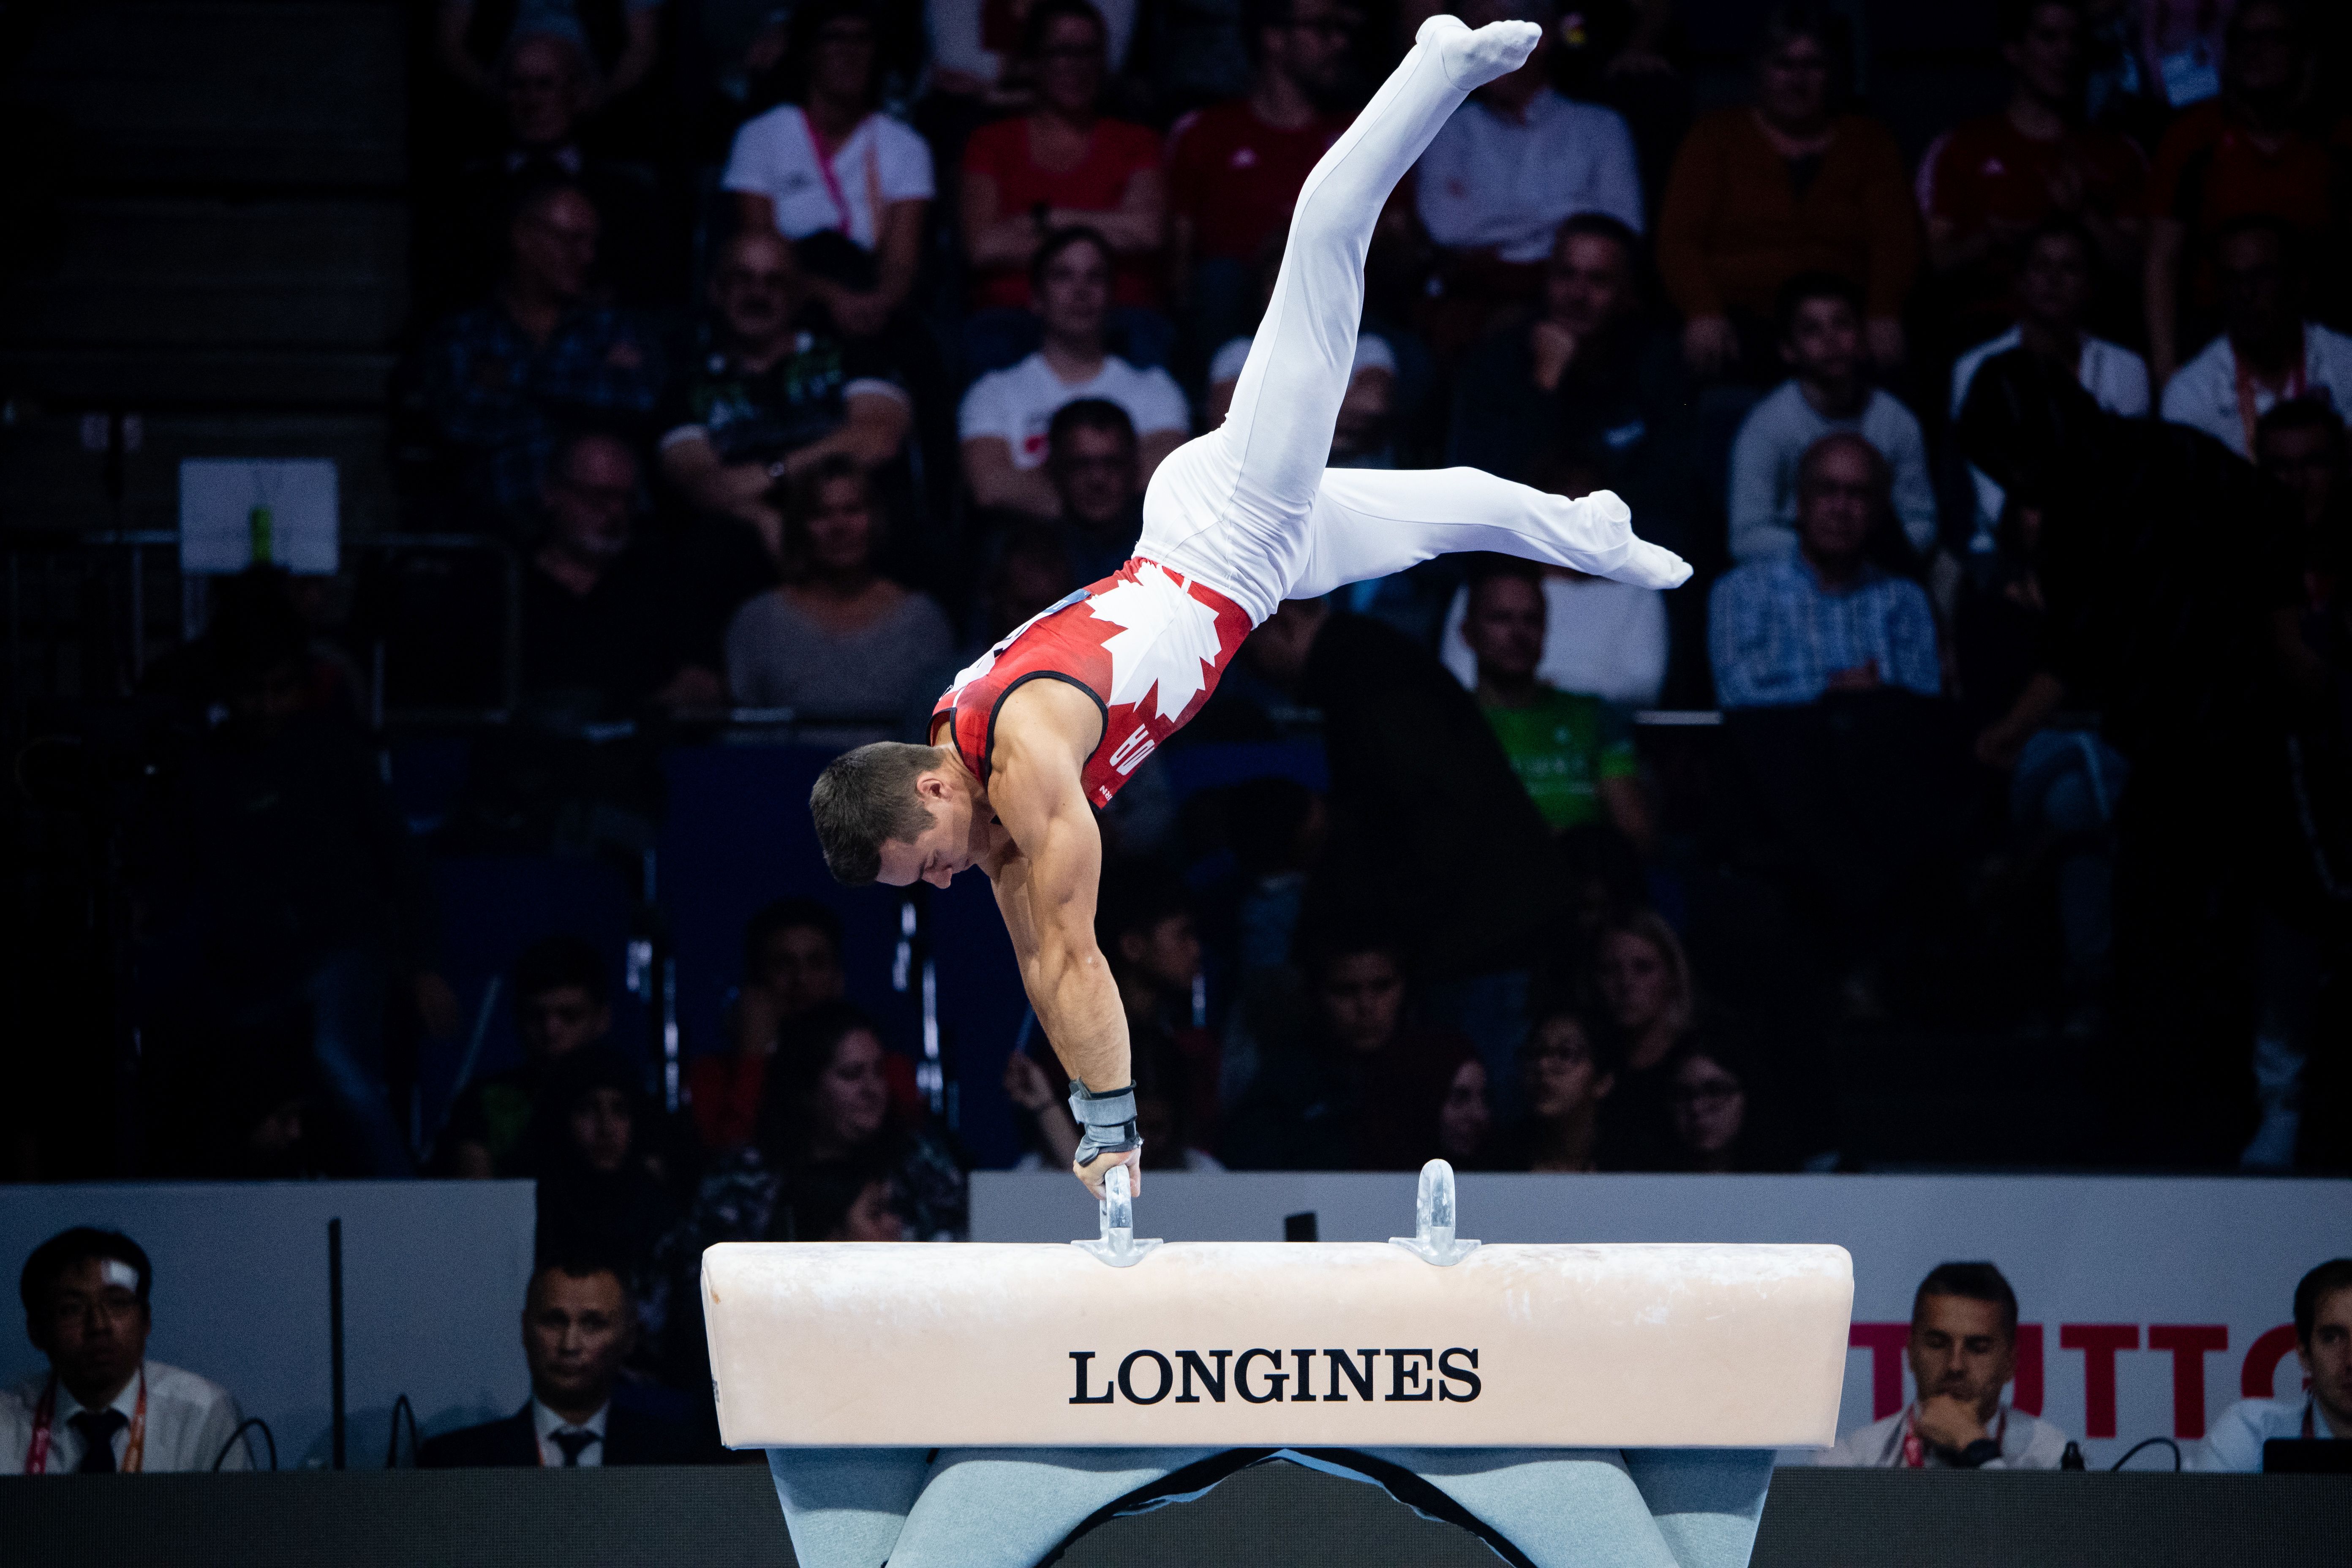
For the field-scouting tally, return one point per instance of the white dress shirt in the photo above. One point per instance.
(2235, 1441)
(2027, 1443)
(2110, 373)
(1601, 639)
(2203, 394)
(547, 1422)
(1491, 181)
(189, 1420)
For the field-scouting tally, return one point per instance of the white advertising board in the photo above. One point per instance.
(2147, 1305)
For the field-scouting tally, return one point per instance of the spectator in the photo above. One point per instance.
(1572, 752)
(1430, 829)
(846, 1200)
(1649, 1007)
(2065, 780)
(1788, 629)
(1722, 1116)
(1842, 771)
(2241, 154)
(1234, 168)
(2055, 266)
(1601, 638)
(1515, 162)
(975, 51)
(2322, 1346)
(579, 1325)
(563, 1007)
(846, 184)
(1465, 1119)
(1146, 928)
(1061, 165)
(836, 640)
(1593, 380)
(1820, 342)
(102, 1407)
(603, 1191)
(1008, 414)
(791, 966)
(605, 622)
(1170, 1143)
(2267, 352)
(1360, 436)
(543, 85)
(281, 890)
(1760, 195)
(1989, 185)
(621, 37)
(1565, 1080)
(1963, 1352)
(778, 394)
(501, 381)
(1355, 1092)
(1096, 465)
(2174, 645)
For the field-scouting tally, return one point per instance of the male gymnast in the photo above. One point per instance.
(1055, 718)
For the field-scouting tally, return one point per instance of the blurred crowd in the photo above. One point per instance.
(2012, 688)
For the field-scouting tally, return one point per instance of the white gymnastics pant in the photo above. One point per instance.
(1011, 1507)
(1251, 510)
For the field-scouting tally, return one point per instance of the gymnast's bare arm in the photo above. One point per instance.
(1046, 879)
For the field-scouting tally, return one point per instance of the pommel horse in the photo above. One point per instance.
(925, 1406)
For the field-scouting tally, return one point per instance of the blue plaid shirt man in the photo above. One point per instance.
(503, 400)
(1775, 635)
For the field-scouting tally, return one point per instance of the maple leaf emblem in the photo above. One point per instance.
(1167, 638)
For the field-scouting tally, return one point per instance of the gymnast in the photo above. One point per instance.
(1056, 716)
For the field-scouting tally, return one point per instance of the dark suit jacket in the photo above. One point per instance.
(631, 1437)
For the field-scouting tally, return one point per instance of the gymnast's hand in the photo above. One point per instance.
(1095, 1171)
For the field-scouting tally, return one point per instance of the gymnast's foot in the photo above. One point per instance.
(1471, 60)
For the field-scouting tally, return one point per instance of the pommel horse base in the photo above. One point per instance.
(1494, 1371)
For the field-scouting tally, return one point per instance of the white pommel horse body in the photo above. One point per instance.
(1583, 1404)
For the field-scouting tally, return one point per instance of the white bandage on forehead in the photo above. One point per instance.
(114, 1271)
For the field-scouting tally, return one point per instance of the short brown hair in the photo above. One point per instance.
(865, 799)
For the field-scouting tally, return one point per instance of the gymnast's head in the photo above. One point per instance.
(896, 813)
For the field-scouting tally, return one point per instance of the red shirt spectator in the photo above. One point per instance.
(1116, 152)
(2213, 166)
(1233, 178)
(1988, 174)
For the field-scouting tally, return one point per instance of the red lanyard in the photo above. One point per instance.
(832, 181)
(1915, 1449)
(2295, 388)
(36, 1457)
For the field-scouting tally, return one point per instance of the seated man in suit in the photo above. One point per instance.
(578, 1323)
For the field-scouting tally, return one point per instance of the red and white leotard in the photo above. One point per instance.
(1145, 643)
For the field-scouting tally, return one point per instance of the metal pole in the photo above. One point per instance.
(335, 1331)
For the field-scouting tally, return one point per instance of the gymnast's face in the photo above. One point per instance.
(940, 850)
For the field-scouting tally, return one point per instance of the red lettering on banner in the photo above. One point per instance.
(1884, 1341)
(2189, 1343)
(2260, 1377)
(2098, 1343)
(2027, 1394)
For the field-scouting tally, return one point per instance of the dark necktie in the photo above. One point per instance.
(572, 1442)
(98, 1428)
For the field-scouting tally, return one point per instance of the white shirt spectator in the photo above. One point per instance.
(1601, 639)
(1773, 440)
(2027, 1443)
(1017, 404)
(547, 1422)
(2110, 373)
(1372, 352)
(881, 162)
(1489, 180)
(956, 45)
(189, 1420)
(2203, 394)
(2235, 1441)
